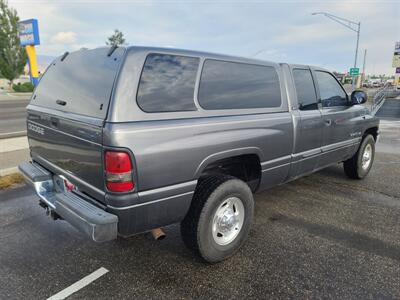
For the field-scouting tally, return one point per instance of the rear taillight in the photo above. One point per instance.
(118, 167)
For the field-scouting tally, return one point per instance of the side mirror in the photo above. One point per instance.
(358, 97)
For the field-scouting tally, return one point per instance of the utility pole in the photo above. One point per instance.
(353, 26)
(363, 69)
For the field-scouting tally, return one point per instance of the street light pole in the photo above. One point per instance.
(358, 38)
(354, 26)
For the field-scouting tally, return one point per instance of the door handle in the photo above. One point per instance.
(61, 102)
(328, 122)
(54, 122)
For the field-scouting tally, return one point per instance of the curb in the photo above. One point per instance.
(6, 97)
(9, 171)
(12, 134)
(17, 95)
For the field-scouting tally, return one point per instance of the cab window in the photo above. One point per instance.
(305, 89)
(231, 85)
(332, 93)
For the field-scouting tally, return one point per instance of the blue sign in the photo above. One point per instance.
(29, 32)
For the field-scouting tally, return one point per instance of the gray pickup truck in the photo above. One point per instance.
(125, 140)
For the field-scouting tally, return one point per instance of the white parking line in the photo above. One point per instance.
(79, 284)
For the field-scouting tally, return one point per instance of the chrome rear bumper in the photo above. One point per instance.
(96, 223)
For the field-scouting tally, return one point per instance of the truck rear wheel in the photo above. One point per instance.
(219, 219)
(360, 164)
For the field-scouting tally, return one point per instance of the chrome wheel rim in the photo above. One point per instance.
(228, 221)
(366, 157)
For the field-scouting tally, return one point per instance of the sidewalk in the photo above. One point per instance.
(5, 96)
(12, 152)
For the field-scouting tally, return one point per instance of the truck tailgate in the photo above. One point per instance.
(75, 147)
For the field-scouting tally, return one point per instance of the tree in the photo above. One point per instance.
(12, 55)
(116, 39)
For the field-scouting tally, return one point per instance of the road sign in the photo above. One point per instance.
(354, 71)
(29, 32)
(396, 56)
(396, 81)
(396, 60)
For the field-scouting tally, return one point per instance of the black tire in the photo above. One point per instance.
(353, 167)
(196, 228)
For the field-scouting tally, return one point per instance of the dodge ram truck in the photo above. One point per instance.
(125, 140)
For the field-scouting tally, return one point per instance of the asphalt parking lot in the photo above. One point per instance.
(322, 236)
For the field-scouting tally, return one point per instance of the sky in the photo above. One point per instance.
(280, 31)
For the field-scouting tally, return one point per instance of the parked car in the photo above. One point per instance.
(376, 84)
(366, 84)
(127, 140)
(389, 83)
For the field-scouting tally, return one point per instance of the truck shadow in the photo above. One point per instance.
(350, 239)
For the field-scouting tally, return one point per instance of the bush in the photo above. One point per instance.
(10, 180)
(23, 88)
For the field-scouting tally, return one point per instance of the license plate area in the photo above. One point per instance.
(63, 185)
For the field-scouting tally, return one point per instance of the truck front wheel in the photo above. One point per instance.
(219, 219)
(360, 164)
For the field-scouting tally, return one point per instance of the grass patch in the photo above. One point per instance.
(10, 180)
(26, 87)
